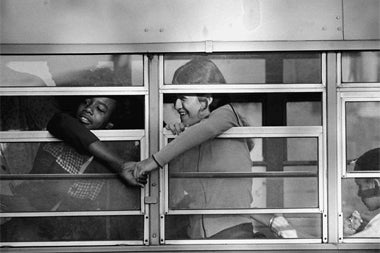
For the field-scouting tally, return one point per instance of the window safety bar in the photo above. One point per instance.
(70, 213)
(267, 132)
(240, 174)
(57, 176)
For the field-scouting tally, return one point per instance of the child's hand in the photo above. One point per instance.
(352, 223)
(127, 175)
(142, 169)
(176, 128)
(281, 227)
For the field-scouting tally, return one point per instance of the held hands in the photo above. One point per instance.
(144, 167)
(127, 175)
(281, 227)
(136, 173)
(352, 223)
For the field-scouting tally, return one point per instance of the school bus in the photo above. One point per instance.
(304, 74)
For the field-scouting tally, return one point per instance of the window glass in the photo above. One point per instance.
(362, 129)
(208, 226)
(33, 113)
(255, 68)
(361, 67)
(359, 211)
(82, 228)
(47, 182)
(53, 177)
(304, 113)
(261, 181)
(71, 70)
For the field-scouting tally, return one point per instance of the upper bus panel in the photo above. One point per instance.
(248, 68)
(150, 21)
(71, 70)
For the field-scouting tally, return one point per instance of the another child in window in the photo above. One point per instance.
(369, 192)
(82, 152)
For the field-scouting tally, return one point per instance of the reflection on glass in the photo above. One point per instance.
(361, 67)
(361, 208)
(71, 70)
(258, 68)
(362, 129)
(183, 227)
(83, 228)
(48, 189)
(33, 113)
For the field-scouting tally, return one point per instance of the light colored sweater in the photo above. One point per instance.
(197, 150)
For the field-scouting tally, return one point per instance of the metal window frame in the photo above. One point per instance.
(243, 88)
(351, 94)
(250, 132)
(104, 135)
(342, 84)
(319, 132)
(331, 130)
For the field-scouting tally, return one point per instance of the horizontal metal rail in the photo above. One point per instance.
(266, 132)
(45, 136)
(65, 91)
(240, 174)
(70, 213)
(241, 88)
(57, 176)
(248, 210)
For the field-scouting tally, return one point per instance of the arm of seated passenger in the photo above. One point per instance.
(372, 229)
(278, 224)
(70, 130)
(219, 121)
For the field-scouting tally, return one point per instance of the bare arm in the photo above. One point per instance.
(68, 129)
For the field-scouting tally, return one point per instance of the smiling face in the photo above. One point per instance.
(188, 108)
(192, 109)
(365, 185)
(95, 112)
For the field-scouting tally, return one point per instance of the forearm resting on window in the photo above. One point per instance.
(104, 154)
(277, 224)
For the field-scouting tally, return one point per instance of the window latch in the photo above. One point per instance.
(150, 200)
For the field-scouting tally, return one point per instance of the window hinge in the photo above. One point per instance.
(150, 200)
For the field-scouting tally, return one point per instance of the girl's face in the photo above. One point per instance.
(189, 108)
(95, 112)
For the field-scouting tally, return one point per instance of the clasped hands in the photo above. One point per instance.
(136, 173)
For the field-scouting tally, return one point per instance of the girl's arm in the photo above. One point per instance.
(70, 130)
(217, 123)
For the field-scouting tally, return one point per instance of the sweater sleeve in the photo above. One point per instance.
(70, 130)
(219, 121)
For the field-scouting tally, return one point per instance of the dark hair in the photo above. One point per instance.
(129, 112)
(370, 160)
(201, 70)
